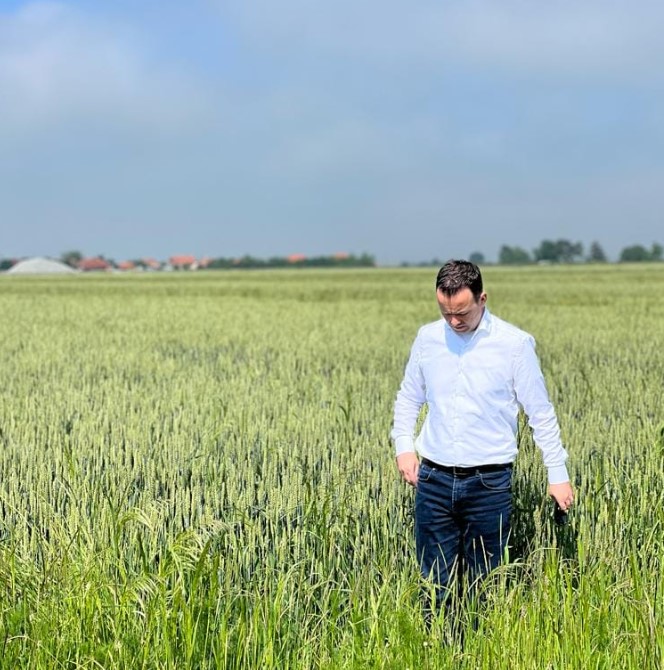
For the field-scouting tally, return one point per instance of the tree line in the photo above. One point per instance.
(548, 251)
(565, 251)
(339, 260)
(559, 251)
(75, 259)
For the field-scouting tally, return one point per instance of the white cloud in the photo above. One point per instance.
(58, 66)
(571, 37)
(606, 38)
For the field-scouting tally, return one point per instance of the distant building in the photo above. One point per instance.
(151, 263)
(94, 265)
(126, 265)
(183, 262)
(296, 258)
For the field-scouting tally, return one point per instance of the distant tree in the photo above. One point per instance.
(560, 251)
(476, 257)
(71, 258)
(435, 262)
(220, 263)
(337, 260)
(637, 253)
(365, 260)
(513, 256)
(319, 262)
(568, 251)
(248, 261)
(596, 253)
(6, 263)
(547, 251)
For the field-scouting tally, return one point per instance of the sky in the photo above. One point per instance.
(409, 130)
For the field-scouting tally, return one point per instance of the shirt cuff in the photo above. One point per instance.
(404, 444)
(558, 474)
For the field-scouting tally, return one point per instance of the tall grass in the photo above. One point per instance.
(195, 473)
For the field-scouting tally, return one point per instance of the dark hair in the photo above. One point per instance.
(454, 276)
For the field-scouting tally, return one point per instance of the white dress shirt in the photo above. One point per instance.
(473, 386)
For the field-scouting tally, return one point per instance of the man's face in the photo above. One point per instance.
(461, 311)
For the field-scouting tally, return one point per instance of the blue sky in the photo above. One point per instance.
(409, 130)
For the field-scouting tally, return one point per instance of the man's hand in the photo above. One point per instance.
(562, 494)
(408, 466)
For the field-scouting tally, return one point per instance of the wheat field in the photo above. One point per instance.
(195, 472)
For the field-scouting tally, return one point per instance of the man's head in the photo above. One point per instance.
(460, 295)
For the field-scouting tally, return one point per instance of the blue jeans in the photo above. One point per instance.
(462, 524)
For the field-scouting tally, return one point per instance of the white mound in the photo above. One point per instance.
(40, 266)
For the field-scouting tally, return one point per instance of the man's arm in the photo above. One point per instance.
(532, 395)
(409, 401)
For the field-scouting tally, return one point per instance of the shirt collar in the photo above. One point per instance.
(485, 322)
(484, 325)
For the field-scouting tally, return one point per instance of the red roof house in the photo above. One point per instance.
(183, 262)
(151, 263)
(92, 264)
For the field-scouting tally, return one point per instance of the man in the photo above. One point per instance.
(474, 371)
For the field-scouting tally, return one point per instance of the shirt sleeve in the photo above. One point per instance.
(410, 398)
(532, 395)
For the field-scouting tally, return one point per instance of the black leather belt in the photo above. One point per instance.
(460, 471)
